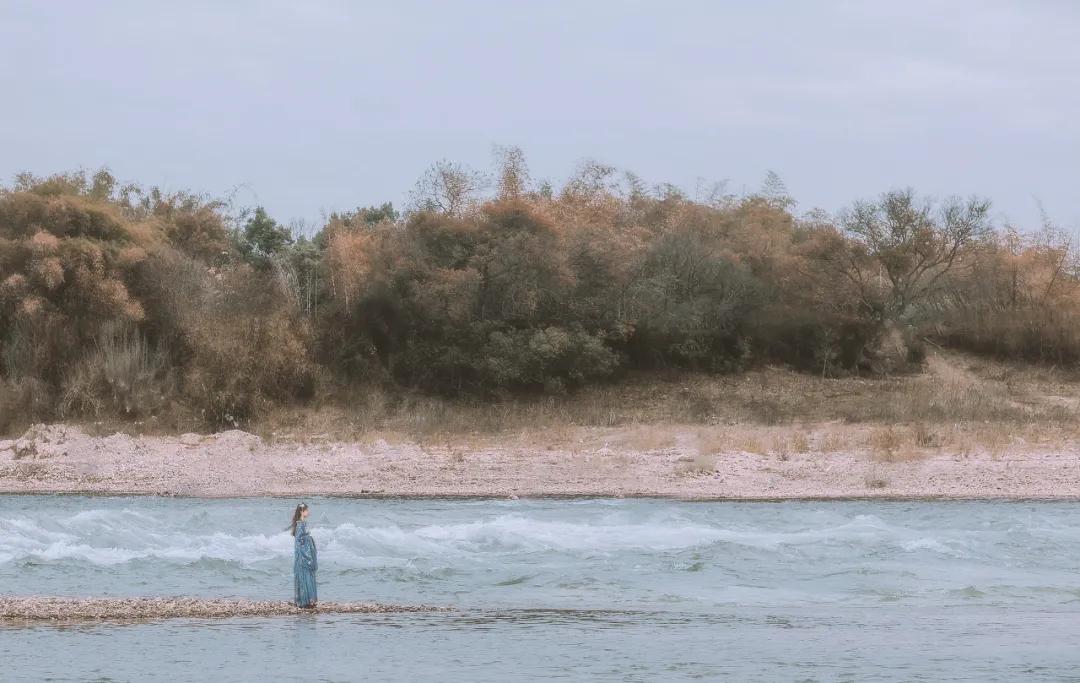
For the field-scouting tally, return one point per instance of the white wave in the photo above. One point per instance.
(932, 545)
(116, 536)
(26, 529)
(515, 532)
(510, 533)
(98, 516)
(64, 550)
(108, 537)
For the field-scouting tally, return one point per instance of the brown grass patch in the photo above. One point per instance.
(644, 438)
(952, 405)
(800, 443)
(711, 440)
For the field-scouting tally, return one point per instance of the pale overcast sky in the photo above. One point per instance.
(319, 105)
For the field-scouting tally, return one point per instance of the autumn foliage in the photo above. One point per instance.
(122, 301)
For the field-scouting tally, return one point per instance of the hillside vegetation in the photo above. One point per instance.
(119, 302)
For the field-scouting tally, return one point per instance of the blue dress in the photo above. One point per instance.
(305, 563)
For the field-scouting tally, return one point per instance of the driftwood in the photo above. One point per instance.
(64, 609)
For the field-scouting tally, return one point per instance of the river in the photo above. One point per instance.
(614, 590)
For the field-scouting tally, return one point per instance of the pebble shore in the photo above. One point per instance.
(65, 459)
(67, 609)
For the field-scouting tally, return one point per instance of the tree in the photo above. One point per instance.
(689, 300)
(513, 172)
(775, 192)
(447, 187)
(263, 237)
(373, 215)
(900, 248)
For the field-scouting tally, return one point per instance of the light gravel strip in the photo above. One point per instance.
(66, 609)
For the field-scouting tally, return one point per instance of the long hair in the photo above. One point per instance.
(296, 517)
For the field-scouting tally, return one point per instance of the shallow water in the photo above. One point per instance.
(624, 590)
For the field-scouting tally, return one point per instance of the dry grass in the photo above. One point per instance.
(20, 402)
(925, 436)
(957, 403)
(788, 443)
(885, 443)
(749, 444)
(996, 441)
(800, 443)
(643, 438)
(712, 440)
(121, 375)
(832, 440)
(781, 448)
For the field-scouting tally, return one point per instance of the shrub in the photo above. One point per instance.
(689, 304)
(116, 299)
(552, 358)
(116, 302)
(240, 368)
(120, 375)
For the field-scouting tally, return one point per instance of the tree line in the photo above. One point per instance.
(122, 300)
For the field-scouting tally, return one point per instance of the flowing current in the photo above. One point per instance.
(620, 590)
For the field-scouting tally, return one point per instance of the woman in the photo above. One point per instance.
(305, 560)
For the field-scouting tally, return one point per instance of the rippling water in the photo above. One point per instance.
(627, 590)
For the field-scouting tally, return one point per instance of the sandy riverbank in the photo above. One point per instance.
(652, 461)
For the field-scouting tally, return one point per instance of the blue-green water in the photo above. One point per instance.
(620, 590)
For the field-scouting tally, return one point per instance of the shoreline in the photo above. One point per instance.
(882, 497)
(674, 462)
